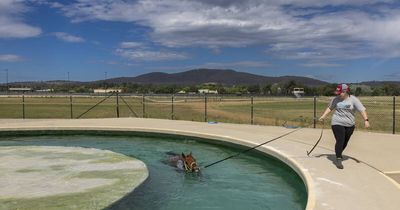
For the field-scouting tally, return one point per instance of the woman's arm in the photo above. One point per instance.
(365, 117)
(327, 111)
(361, 108)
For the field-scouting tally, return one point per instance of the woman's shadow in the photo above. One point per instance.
(332, 158)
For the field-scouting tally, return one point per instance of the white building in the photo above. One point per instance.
(298, 92)
(207, 91)
(45, 90)
(20, 89)
(110, 90)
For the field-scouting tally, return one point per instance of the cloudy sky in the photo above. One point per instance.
(335, 40)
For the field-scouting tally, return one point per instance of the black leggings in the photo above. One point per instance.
(342, 136)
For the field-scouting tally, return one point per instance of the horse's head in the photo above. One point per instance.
(190, 163)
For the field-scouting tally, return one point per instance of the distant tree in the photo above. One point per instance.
(144, 89)
(377, 91)
(254, 89)
(81, 89)
(358, 91)
(221, 89)
(386, 90)
(289, 86)
(238, 89)
(311, 91)
(266, 89)
(390, 89)
(131, 87)
(276, 89)
(327, 90)
(193, 89)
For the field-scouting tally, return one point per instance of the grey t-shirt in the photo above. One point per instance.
(345, 110)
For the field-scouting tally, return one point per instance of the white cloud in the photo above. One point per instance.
(137, 51)
(56, 5)
(10, 58)
(149, 55)
(297, 3)
(11, 22)
(13, 29)
(319, 64)
(50, 3)
(131, 45)
(291, 29)
(68, 37)
(120, 63)
(328, 77)
(392, 76)
(238, 64)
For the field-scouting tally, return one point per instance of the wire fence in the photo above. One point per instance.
(259, 110)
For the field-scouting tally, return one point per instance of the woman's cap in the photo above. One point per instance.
(342, 88)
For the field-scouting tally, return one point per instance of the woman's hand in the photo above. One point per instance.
(365, 116)
(366, 124)
(327, 111)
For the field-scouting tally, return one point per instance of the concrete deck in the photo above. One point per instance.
(364, 183)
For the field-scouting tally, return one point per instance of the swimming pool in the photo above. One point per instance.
(250, 181)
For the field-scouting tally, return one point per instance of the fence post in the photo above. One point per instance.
(394, 114)
(315, 112)
(70, 106)
(205, 108)
(23, 105)
(117, 104)
(172, 108)
(252, 110)
(143, 108)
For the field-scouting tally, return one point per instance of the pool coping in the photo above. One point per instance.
(285, 150)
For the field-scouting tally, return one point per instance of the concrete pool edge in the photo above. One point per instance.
(238, 134)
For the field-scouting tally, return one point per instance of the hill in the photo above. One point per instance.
(200, 76)
(380, 83)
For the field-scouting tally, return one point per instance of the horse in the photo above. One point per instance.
(183, 162)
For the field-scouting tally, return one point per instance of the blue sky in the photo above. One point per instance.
(335, 41)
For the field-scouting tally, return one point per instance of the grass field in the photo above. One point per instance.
(267, 110)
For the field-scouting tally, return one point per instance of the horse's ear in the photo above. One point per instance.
(183, 155)
(190, 153)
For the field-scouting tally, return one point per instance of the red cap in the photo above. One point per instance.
(342, 88)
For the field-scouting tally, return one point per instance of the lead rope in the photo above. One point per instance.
(319, 139)
(269, 141)
(244, 151)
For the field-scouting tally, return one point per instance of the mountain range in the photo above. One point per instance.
(201, 76)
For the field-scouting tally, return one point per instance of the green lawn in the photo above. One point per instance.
(267, 110)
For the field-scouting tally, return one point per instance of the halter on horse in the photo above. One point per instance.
(190, 163)
(183, 162)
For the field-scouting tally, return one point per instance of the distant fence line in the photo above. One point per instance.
(261, 110)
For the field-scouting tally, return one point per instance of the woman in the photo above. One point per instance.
(343, 120)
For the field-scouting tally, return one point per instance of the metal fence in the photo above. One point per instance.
(258, 110)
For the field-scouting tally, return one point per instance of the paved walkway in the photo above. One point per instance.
(365, 182)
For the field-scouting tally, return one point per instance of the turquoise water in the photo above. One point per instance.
(250, 181)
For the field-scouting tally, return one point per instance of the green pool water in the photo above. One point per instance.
(249, 181)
